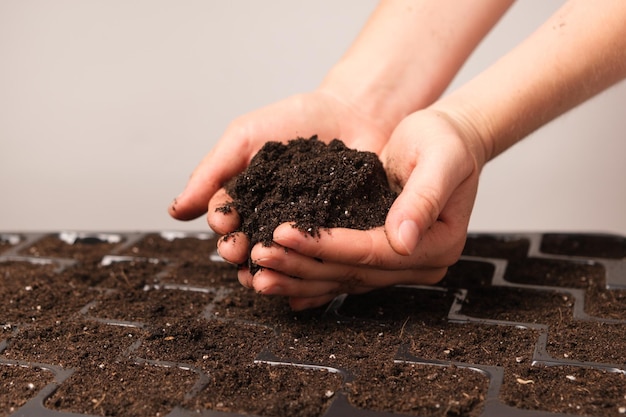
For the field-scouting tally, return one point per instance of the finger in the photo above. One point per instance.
(245, 277)
(294, 264)
(347, 277)
(234, 248)
(269, 282)
(345, 246)
(222, 216)
(305, 303)
(218, 166)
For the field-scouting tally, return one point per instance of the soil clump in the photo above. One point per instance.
(312, 184)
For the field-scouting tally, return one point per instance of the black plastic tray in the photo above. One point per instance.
(491, 249)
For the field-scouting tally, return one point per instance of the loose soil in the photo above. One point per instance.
(167, 326)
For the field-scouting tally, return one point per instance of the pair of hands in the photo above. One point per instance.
(429, 156)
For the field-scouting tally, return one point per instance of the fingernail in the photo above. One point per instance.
(408, 234)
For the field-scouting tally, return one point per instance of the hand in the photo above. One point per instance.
(319, 113)
(436, 163)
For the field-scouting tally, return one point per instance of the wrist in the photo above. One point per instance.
(472, 127)
(376, 94)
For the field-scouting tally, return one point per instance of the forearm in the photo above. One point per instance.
(408, 53)
(577, 53)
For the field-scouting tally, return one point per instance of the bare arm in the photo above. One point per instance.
(579, 52)
(402, 61)
(407, 54)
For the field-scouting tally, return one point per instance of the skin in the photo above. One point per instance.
(433, 149)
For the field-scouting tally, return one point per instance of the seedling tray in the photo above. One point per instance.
(137, 324)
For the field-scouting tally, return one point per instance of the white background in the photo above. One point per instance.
(107, 106)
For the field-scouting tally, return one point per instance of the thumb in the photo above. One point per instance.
(415, 210)
(423, 197)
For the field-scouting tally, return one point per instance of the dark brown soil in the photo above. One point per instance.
(494, 345)
(269, 390)
(169, 327)
(19, 384)
(72, 343)
(426, 390)
(70, 247)
(31, 292)
(196, 249)
(128, 389)
(517, 305)
(505, 247)
(313, 184)
(568, 389)
(585, 245)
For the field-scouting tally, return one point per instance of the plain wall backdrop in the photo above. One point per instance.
(107, 106)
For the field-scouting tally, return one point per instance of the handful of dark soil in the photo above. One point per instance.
(312, 184)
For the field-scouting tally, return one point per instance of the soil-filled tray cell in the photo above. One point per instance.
(599, 301)
(18, 384)
(609, 304)
(397, 304)
(35, 292)
(588, 341)
(555, 273)
(517, 305)
(493, 345)
(468, 274)
(566, 389)
(202, 275)
(585, 245)
(204, 344)
(126, 274)
(421, 390)
(143, 305)
(175, 247)
(341, 345)
(123, 389)
(504, 247)
(72, 246)
(269, 390)
(71, 343)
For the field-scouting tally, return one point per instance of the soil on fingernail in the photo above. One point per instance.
(225, 209)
